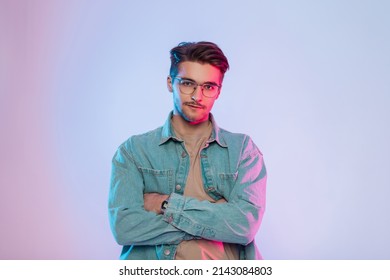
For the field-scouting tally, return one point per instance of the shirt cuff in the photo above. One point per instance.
(175, 206)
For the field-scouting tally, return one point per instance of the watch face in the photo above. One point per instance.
(164, 205)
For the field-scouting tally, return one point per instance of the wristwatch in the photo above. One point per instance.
(164, 205)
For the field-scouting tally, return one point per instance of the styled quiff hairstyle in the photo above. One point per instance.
(202, 52)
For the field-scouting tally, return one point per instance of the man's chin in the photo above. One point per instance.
(195, 121)
(193, 118)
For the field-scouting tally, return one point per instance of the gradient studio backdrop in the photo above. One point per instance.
(309, 81)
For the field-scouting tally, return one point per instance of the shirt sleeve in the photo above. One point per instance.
(236, 221)
(130, 223)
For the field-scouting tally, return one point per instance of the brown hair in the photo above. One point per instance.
(202, 52)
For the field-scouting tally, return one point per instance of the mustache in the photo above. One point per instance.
(194, 103)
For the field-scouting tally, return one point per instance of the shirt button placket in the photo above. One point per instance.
(180, 177)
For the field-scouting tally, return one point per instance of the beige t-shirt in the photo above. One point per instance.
(200, 249)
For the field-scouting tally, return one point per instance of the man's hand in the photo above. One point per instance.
(153, 201)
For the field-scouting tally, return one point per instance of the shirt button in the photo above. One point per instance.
(167, 252)
(183, 154)
(178, 187)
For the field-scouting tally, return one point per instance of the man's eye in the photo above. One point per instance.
(187, 83)
(208, 87)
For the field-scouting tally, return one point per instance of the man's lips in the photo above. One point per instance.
(194, 105)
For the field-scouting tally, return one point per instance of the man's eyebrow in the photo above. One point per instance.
(207, 82)
(188, 79)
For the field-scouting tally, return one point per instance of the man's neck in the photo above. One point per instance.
(188, 128)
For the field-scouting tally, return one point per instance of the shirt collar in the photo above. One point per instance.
(168, 133)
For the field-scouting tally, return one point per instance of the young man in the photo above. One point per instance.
(189, 189)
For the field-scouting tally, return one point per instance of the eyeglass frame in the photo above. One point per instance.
(198, 85)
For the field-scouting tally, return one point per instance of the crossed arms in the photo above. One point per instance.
(136, 217)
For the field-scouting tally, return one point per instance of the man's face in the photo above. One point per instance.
(194, 108)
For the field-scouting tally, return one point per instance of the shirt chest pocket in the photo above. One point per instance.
(226, 182)
(159, 181)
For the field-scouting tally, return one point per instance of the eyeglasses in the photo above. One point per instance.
(187, 86)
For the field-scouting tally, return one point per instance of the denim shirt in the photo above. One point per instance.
(157, 161)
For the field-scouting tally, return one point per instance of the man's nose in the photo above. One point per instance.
(197, 95)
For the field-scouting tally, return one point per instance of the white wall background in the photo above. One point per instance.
(309, 81)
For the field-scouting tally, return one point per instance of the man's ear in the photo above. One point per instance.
(169, 84)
